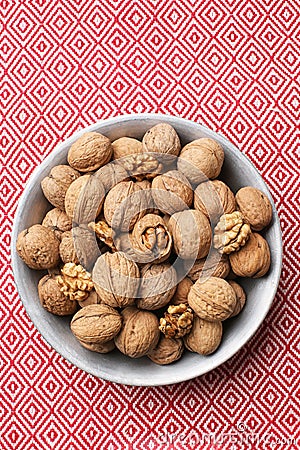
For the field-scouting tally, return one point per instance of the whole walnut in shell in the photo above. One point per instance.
(110, 175)
(201, 159)
(167, 351)
(253, 260)
(151, 239)
(56, 184)
(96, 324)
(124, 205)
(84, 199)
(116, 279)
(67, 248)
(157, 287)
(214, 265)
(85, 246)
(139, 333)
(196, 242)
(240, 297)
(162, 138)
(182, 291)
(212, 299)
(38, 246)
(214, 198)
(255, 207)
(126, 146)
(58, 221)
(172, 192)
(91, 151)
(204, 337)
(53, 299)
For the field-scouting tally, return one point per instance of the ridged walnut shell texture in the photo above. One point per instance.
(96, 324)
(182, 291)
(104, 347)
(204, 337)
(167, 351)
(58, 221)
(116, 279)
(110, 175)
(214, 198)
(67, 249)
(172, 192)
(215, 265)
(255, 207)
(201, 159)
(126, 146)
(253, 260)
(162, 138)
(91, 151)
(56, 184)
(139, 333)
(196, 242)
(240, 297)
(38, 246)
(53, 299)
(212, 299)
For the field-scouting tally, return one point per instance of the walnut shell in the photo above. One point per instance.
(56, 184)
(124, 205)
(214, 198)
(253, 260)
(240, 297)
(96, 324)
(67, 249)
(167, 351)
(85, 246)
(126, 146)
(139, 333)
(157, 287)
(91, 151)
(201, 159)
(172, 192)
(38, 246)
(215, 265)
(212, 299)
(58, 221)
(92, 299)
(204, 337)
(162, 138)
(53, 299)
(102, 347)
(110, 175)
(84, 199)
(255, 207)
(116, 279)
(182, 291)
(195, 243)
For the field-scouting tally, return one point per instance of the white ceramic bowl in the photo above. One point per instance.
(237, 171)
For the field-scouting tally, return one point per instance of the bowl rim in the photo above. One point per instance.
(34, 178)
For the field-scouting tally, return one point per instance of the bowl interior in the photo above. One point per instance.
(237, 172)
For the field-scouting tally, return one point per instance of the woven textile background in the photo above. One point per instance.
(232, 65)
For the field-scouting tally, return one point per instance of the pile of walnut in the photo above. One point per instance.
(112, 295)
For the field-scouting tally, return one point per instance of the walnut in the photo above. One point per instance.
(204, 337)
(167, 351)
(96, 324)
(52, 299)
(162, 138)
(126, 146)
(201, 159)
(124, 205)
(157, 287)
(177, 321)
(84, 199)
(139, 333)
(172, 192)
(195, 243)
(116, 279)
(141, 166)
(75, 282)
(111, 174)
(252, 260)
(214, 198)
(240, 297)
(56, 184)
(38, 246)
(182, 290)
(104, 233)
(212, 299)
(67, 249)
(92, 299)
(85, 245)
(231, 233)
(151, 239)
(91, 151)
(214, 265)
(58, 221)
(99, 347)
(255, 207)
